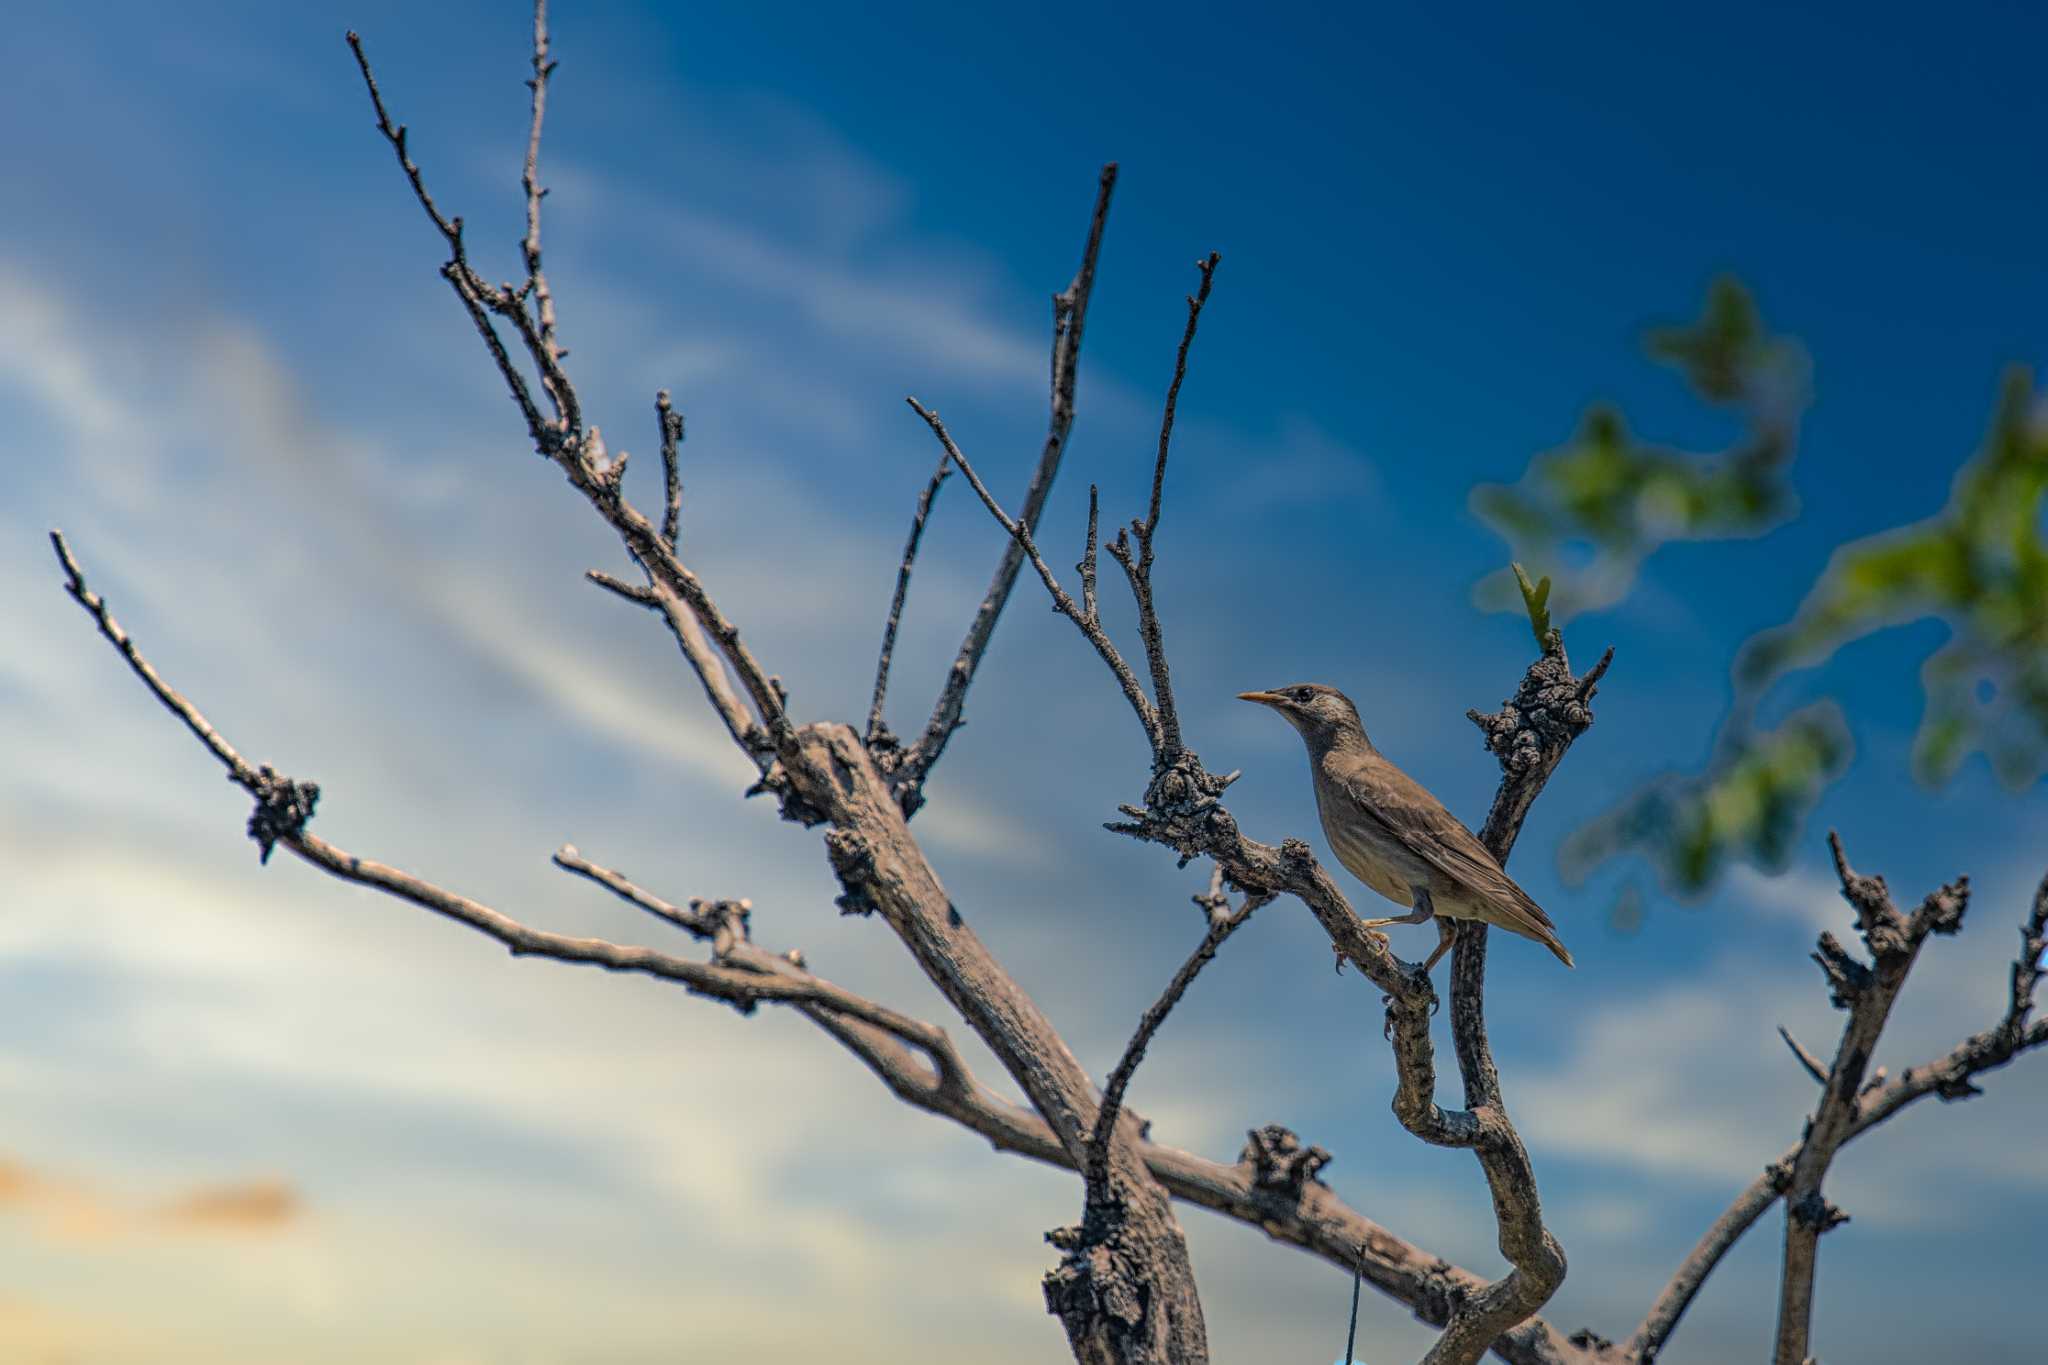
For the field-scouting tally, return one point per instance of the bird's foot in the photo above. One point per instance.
(1420, 983)
(1343, 957)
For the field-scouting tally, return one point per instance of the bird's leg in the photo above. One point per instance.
(1424, 908)
(1447, 934)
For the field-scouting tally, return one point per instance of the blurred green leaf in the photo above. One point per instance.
(1981, 565)
(1751, 802)
(1624, 497)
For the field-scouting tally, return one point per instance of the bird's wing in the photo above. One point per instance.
(1421, 823)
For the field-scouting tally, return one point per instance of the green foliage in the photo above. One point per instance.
(1623, 498)
(1749, 803)
(1536, 601)
(1981, 565)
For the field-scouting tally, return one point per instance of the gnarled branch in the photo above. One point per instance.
(1853, 1106)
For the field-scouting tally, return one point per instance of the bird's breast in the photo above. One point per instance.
(1378, 861)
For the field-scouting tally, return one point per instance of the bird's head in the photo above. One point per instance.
(1320, 713)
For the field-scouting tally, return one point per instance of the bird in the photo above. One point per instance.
(1394, 836)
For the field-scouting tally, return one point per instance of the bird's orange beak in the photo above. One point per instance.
(1262, 698)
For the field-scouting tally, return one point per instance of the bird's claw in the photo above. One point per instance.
(1420, 983)
(1343, 957)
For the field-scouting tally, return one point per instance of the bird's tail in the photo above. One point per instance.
(1563, 954)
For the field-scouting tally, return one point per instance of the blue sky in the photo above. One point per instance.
(237, 382)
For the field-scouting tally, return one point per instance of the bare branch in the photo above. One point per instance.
(74, 583)
(1086, 568)
(1139, 571)
(1069, 314)
(479, 299)
(1949, 1076)
(704, 919)
(1302, 1213)
(536, 281)
(1064, 604)
(1307, 1215)
(637, 593)
(1806, 1059)
(1868, 993)
(563, 440)
(1180, 372)
(703, 660)
(451, 228)
(924, 509)
(741, 987)
(1529, 737)
(1220, 928)
(671, 473)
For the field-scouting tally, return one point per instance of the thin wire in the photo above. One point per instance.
(1351, 1335)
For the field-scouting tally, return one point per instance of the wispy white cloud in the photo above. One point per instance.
(938, 320)
(1299, 463)
(1690, 1081)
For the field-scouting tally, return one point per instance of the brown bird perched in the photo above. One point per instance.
(1391, 834)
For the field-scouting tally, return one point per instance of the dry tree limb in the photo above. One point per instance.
(697, 651)
(1069, 316)
(1807, 1061)
(1222, 922)
(877, 733)
(562, 438)
(1854, 1106)
(671, 437)
(1090, 625)
(1138, 569)
(920, 1067)
(1529, 737)
(284, 806)
(1868, 993)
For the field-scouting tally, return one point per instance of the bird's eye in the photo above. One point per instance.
(1302, 695)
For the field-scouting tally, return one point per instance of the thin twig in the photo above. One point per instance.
(697, 651)
(671, 473)
(1806, 1059)
(1196, 301)
(479, 299)
(1146, 529)
(924, 509)
(74, 583)
(703, 919)
(1086, 568)
(1069, 314)
(1219, 929)
(1021, 535)
(529, 180)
